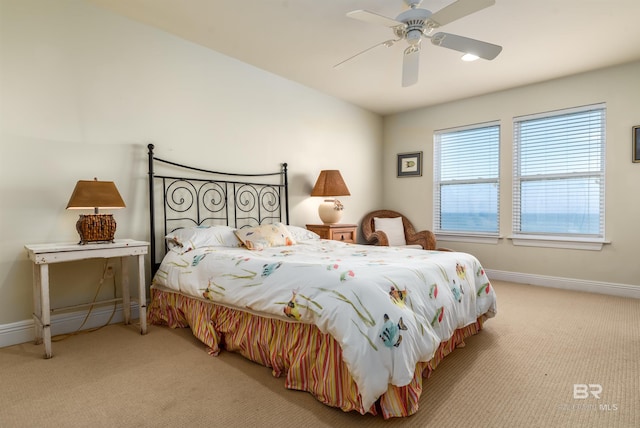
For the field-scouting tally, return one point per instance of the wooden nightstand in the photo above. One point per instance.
(338, 232)
(44, 254)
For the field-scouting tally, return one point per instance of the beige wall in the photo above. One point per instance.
(82, 93)
(618, 87)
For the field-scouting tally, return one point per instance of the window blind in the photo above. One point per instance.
(466, 179)
(558, 186)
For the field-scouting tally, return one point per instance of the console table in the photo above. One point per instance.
(44, 254)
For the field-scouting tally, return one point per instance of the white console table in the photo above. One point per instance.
(44, 254)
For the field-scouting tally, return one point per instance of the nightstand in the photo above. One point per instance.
(337, 232)
(44, 254)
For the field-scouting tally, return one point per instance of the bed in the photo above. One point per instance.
(359, 327)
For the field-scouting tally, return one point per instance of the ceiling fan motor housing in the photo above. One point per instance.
(414, 19)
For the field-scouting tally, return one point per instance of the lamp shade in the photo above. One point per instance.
(330, 183)
(93, 194)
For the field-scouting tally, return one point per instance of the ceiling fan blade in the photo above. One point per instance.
(464, 44)
(386, 43)
(374, 18)
(457, 10)
(410, 65)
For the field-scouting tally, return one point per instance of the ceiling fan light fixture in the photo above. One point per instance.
(469, 57)
(414, 37)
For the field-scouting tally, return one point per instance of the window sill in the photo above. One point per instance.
(590, 244)
(476, 238)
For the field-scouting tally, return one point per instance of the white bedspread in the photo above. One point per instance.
(388, 308)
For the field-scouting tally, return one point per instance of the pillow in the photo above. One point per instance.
(264, 236)
(301, 234)
(393, 228)
(190, 238)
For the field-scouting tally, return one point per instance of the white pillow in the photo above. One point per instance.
(190, 238)
(301, 234)
(393, 228)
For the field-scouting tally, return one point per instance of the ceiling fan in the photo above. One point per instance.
(415, 23)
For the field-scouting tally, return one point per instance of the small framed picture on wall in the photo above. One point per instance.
(636, 143)
(410, 164)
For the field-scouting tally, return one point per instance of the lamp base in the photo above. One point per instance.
(96, 228)
(328, 212)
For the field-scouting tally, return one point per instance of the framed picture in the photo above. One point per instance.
(636, 143)
(410, 164)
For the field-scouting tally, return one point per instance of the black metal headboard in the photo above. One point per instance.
(192, 196)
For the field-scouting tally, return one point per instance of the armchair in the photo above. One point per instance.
(424, 238)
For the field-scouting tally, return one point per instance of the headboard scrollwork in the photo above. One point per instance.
(190, 196)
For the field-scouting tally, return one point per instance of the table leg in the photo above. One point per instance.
(37, 306)
(45, 309)
(142, 295)
(126, 295)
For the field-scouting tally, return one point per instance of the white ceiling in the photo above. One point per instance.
(302, 40)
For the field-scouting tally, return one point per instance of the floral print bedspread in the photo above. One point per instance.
(387, 307)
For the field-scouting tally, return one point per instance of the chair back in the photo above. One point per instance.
(426, 239)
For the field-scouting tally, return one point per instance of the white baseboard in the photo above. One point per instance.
(609, 288)
(24, 331)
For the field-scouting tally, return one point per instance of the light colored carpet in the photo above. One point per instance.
(519, 371)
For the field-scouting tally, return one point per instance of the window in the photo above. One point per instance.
(558, 181)
(466, 180)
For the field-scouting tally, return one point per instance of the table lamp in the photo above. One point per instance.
(94, 194)
(330, 184)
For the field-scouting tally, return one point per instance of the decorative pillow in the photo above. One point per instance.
(264, 236)
(190, 238)
(393, 228)
(301, 234)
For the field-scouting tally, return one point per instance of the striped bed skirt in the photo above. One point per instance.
(308, 359)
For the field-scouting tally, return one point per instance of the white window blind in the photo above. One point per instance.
(558, 186)
(466, 179)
